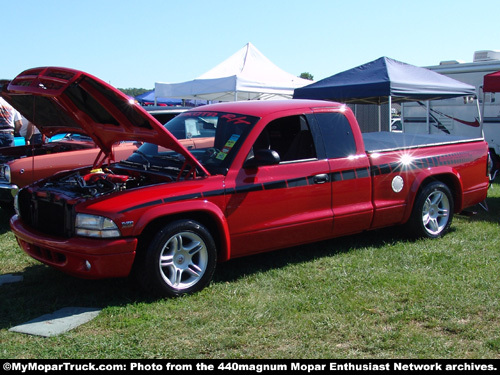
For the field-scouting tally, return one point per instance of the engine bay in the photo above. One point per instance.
(101, 181)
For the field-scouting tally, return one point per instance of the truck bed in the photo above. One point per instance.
(391, 141)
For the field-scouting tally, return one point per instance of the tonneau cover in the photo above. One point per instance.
(390, 141)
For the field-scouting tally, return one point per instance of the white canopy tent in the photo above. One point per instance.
(246, 75)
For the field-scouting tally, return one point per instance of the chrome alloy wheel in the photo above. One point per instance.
(435, 212)
(183, 260)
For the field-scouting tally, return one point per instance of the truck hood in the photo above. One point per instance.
(62, 100)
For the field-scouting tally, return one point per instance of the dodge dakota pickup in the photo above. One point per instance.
(276, 174)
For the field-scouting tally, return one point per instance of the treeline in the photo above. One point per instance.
(134, 91)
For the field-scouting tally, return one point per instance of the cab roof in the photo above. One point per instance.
(261, 108)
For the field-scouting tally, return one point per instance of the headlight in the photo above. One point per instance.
(95, 226)
(5, 173)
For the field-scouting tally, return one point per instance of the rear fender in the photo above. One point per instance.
(191, 210)
(447, 175)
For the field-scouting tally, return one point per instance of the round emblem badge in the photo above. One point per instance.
(397, 184)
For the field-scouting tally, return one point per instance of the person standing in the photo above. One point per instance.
(30, 133)
(10, 122)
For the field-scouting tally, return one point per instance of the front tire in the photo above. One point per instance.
(181, 259)
(433, 211)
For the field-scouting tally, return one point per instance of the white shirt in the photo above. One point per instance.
(8, 115)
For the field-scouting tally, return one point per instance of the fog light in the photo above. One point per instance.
(87, 265)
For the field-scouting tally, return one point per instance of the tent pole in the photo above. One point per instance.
(390, 112)
(428, 123)
(403, 117)
(379, 118)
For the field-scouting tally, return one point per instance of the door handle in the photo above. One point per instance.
(320, 178)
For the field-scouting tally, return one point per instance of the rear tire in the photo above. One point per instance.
(181, 259)
(433, 211)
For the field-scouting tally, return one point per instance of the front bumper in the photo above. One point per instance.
(81, 257)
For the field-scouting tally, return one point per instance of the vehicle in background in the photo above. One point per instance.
(396, 125)
(20, 141)
(461, 116)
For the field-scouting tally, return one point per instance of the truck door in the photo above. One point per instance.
(349, 174)
(284, 204)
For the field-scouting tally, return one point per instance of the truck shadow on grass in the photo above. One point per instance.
(5, 216)
(45, 290)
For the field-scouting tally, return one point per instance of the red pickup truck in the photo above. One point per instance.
(276, 174)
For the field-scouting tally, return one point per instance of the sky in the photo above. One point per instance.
(133, 44)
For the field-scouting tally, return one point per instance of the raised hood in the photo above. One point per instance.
(61, 100)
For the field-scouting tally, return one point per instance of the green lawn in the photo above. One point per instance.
(374, 295)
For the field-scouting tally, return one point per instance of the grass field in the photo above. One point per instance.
(374, 295)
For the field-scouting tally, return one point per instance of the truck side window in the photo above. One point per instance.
(290, 137)
(337, 135)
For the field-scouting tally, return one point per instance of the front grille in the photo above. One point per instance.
(46, 214)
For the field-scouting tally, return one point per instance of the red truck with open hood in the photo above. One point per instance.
(276, 174)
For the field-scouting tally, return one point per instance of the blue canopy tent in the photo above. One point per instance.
(148, 98)
(385, 81)
(382, 80)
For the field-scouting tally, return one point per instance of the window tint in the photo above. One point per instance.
(290, 137)
(337, 135)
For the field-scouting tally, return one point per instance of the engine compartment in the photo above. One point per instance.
(89, 183)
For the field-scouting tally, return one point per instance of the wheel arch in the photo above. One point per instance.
(209, 216)
(450, 178)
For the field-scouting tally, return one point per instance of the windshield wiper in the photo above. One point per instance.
(144, 156)
(169, 157)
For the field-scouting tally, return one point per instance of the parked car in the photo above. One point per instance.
(276, 174)
(396, 125)
(20, 141)
(22, 165)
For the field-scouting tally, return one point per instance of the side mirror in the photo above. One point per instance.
(261, 158)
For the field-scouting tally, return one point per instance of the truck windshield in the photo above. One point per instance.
(212, 137)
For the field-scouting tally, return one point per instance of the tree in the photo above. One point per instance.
(133, 91)
(307, 75)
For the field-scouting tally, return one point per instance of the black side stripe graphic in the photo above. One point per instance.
(349, 174)
(282, 184)
(297, 182)
(344, 175)
(275, 185)
(184, 197)
(143, 205)
(423, 163)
